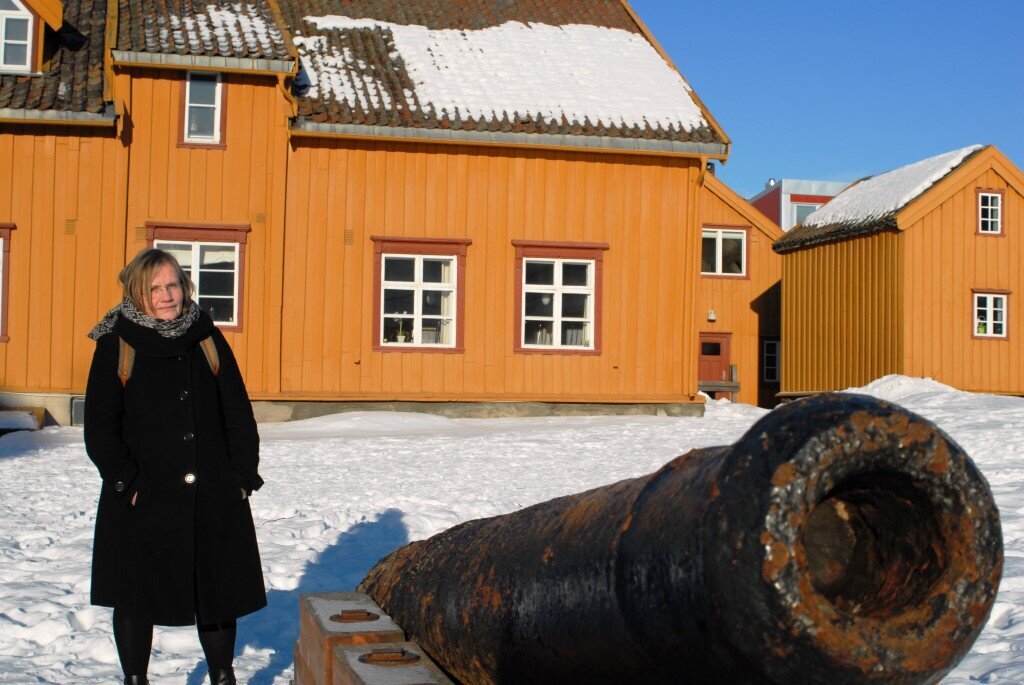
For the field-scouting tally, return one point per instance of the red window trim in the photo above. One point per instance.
(990, 291)
(560, 250)
(213, 233)
(809, 199)
(746, 252)
(183, 115)
(5, 235)
(1002, 211)
(441, 247)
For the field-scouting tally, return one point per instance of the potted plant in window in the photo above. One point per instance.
(400, 336)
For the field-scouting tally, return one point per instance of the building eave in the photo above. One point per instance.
(302, 127)
(56, 117)
(154, 60)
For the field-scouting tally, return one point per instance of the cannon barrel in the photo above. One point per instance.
(843, 539)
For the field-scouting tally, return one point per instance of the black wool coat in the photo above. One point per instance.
(185, 442)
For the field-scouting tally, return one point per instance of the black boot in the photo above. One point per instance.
(223, 676)
(136, 680)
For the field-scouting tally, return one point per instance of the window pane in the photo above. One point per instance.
(574, 274)
(707, 255)
(540, 273)
(574, 306)
(540, 304)
(15, 54)
(200, 122)
(732, 255)
(436, 302)
(181, 251)
(982, 301)
(398, 330)
(711, 349)
(997, 329)
(17, 29)
(216, 282)
(804, 211)
(399, 269)
(574, 333)
(538, 332)
(217, 257)
(8, 6)
(398, 301)
(437, 270)
(221, 310)
(202, 90)
(436, 332)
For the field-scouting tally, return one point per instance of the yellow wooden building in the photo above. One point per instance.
(917, 271)
(374, 212)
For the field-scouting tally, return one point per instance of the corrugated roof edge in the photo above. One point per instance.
(213, 63)
(833, 233)
(716, 150)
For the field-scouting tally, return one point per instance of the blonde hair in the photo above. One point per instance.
(137, 277)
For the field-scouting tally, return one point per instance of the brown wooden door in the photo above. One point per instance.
(713, 366)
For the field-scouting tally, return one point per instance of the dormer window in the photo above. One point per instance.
(15, 36)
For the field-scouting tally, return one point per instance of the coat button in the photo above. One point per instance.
(190, 478)
(119, 486)
(183, 395)
(189, 437)
(181, 357)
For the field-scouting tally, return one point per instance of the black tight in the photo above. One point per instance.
(135, 642)
(218, 641)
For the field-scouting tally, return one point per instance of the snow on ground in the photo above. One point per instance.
(344, 490)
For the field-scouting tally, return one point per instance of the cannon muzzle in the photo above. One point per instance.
(843, 539)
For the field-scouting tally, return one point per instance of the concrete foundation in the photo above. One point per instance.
(277, 411)
(64, 409)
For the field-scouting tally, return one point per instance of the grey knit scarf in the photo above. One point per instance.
(174, 328)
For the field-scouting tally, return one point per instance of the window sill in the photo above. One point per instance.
(427, 349)
(202, 146)
(569, 351)
(727, 277)
(1004, 338)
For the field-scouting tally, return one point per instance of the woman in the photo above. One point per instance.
(169, 425)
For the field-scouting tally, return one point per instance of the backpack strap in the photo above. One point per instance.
(126, 358)
(212, 358)
(125, 361)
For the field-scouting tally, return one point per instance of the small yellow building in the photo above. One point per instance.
(917, 271)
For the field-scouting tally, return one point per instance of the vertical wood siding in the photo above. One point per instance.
(945, 259)
(842, 313)
(61, 277)
(342, 193)
(749, 308)
(243, 183)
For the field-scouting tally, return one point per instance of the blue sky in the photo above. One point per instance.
(841, 90)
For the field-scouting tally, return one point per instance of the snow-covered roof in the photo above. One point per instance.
(198, 28)
(564, 67)
(871, 205)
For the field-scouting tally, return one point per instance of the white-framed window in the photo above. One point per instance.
(723, 252)
(419, 298)
(990, 315)
(770, 360)
(990, 213)
(215, 269)
(802, 210)
(558, 303)
(203, 102)
(15, 37)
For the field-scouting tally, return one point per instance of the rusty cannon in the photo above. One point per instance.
(842, 539)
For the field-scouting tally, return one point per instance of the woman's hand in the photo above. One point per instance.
(135, 496)
(245, 495)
